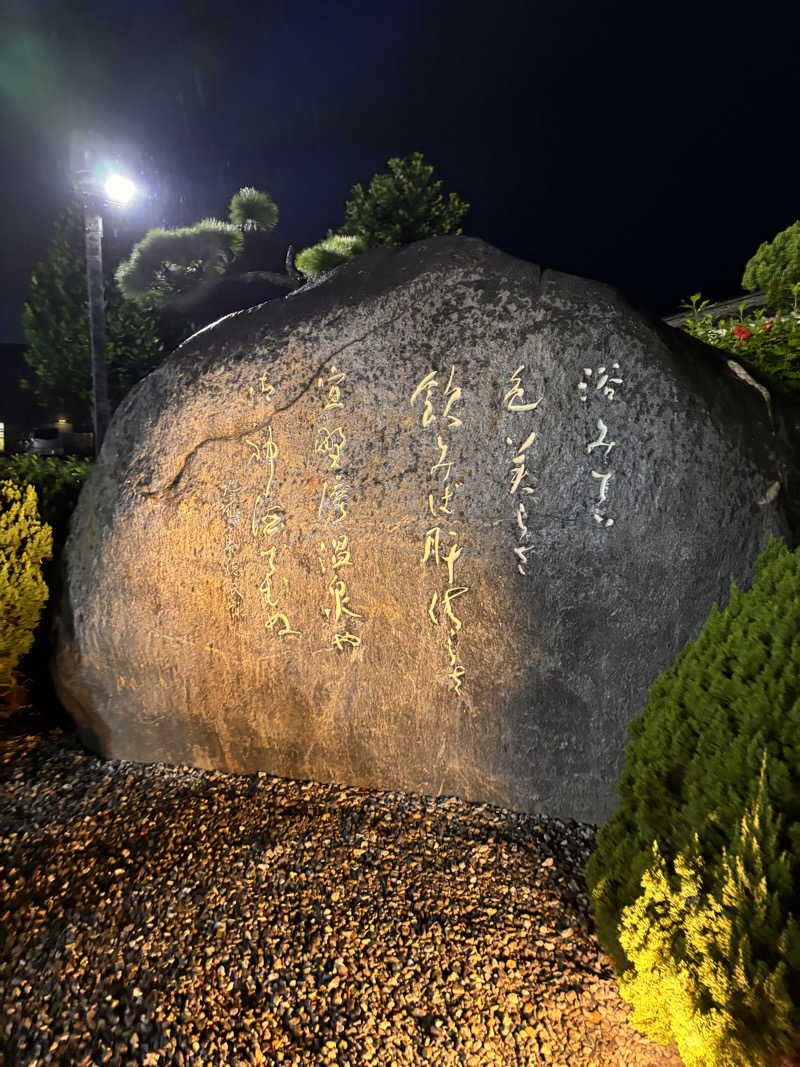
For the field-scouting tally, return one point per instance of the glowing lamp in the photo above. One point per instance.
(119, 189)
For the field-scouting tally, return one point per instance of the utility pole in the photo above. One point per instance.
(101, 406)
(86, 152)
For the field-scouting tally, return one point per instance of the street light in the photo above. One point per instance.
(119, 189)
(95, 194)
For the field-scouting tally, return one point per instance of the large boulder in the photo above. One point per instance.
(434, 523)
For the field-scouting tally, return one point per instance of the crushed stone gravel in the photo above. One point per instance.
(166, 915)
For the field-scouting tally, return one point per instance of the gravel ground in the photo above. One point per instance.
(165, 915)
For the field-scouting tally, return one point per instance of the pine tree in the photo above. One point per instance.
(166, 262)
(184, 267)
(403, 206)
(55, 321)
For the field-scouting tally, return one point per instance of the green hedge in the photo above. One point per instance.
(695, 881)
(57, 483)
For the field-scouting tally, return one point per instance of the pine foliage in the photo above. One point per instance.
(692, 769)
(173, 261)
(402, 206)
(775, 268)
(334, 250)
(251, 209)
(24, 544)
(167, 263)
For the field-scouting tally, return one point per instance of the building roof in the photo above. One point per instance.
(722, 309)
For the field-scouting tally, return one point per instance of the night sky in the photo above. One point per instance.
(651, 146)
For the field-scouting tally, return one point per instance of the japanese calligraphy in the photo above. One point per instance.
(335, 556)
(264, 392)
(330, 443)
(602, 384)
(230, 508)
(266, 518)
(603, 483)
(601, 440)
(337, 495)
(338, 557)
(334, 396)
(434, 550)
(453, 393)
(515, 395)
(427, 385)
(443, 500)
(513, 402)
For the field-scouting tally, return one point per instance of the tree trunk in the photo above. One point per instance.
(192, 300)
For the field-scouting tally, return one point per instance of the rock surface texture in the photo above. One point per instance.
(434, 523)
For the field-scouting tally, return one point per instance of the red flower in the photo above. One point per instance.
(741, 332)
(768, 324)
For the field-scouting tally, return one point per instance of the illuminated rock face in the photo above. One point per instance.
(434, 524)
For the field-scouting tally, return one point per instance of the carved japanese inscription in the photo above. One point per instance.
(335, 552)
(514, 401)
(598, 386)
(436, 549)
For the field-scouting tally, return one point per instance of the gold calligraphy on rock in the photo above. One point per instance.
(329, 444)
(263, 391)
(514, 401)
(335, 555)
(334, 558)
(266, 521)
(441, 609)
(231, 511)
(599, 385)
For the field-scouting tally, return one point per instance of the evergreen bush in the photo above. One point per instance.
(24, 544)
(775, 267)
(57, 483)
(695, 880)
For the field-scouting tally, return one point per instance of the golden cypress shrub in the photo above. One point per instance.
(24, 544)
(713, 948)
(695, 880)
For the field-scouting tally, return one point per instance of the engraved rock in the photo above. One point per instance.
(434, 523)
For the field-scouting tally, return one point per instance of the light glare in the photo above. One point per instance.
(119, 189)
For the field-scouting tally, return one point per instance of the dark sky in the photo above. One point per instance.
(652, 146)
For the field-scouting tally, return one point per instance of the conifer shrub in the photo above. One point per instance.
(695, 881)
(775, 267)
(25, 542)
